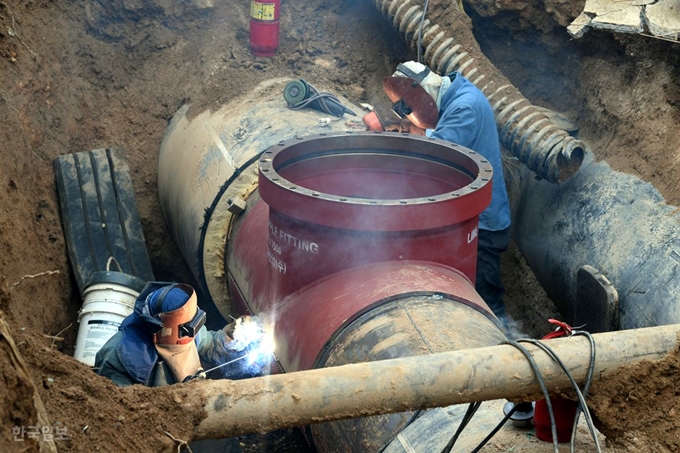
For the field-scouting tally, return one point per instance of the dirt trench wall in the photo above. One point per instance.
(85, 75)
(623, 91)
(22, 414)
(99, 79)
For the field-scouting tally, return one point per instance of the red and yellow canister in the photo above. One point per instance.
(264, 27)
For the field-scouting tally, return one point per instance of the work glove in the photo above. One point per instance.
(243, 331)
(237, 342)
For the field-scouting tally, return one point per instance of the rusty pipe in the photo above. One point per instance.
(264, 404)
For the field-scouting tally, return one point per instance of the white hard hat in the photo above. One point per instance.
(427, 79)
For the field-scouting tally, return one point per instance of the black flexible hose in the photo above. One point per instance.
(582, 401)
(582, 407)
(472, 408)
(420, 32)
(496, 429)
(586, 387)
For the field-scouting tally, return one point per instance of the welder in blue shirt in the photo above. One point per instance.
(451, 108)
(165, 341)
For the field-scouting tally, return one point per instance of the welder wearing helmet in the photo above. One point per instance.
(164, 341)
(452, 108)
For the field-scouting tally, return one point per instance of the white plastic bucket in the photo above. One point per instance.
(104, 307)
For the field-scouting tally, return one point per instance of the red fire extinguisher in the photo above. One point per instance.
(264, 27)
(564, 410)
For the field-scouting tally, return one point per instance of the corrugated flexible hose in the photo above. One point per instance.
(524, 131)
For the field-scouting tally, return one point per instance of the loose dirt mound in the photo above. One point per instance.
(639, 407)
(93, 413)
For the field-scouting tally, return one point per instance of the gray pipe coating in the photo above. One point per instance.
(612, 222)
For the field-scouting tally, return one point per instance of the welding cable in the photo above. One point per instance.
(544, 389)
(469, 413)
(581, 398)
(413, 418)
(420, 32)
(496, 429)
(586, 387)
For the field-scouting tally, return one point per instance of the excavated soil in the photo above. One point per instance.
(82, 75)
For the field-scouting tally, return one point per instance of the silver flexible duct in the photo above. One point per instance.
(524, 131)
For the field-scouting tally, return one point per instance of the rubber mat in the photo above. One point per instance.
(99, 215)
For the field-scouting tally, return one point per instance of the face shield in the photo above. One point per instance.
(413, 89)
(179, 320)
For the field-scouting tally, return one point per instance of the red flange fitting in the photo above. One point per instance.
(353, 219)
(346, 200)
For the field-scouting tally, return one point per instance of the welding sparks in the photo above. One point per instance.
(251, 334)
(246, 356)
(264, 351)
(254, 346)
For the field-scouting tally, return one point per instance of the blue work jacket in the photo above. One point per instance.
(466, 118)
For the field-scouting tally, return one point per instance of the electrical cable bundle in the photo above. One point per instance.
(562, 330)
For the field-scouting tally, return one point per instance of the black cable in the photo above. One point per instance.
(322, 98)
(581, 398)
(413, 418)
(541, 382)
(420, 31)
(469, 413)
(496, 429)
(582, 407)
(586, 387)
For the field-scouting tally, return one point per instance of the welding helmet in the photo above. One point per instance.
(414, 90)
(171, 313)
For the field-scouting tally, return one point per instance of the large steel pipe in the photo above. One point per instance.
(357, 246)
(449, 45)
(407, 326)
(372, 241)
(612, 222)
(357, 218)
(328, 232)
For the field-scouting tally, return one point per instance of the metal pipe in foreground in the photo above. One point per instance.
(294, 399)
